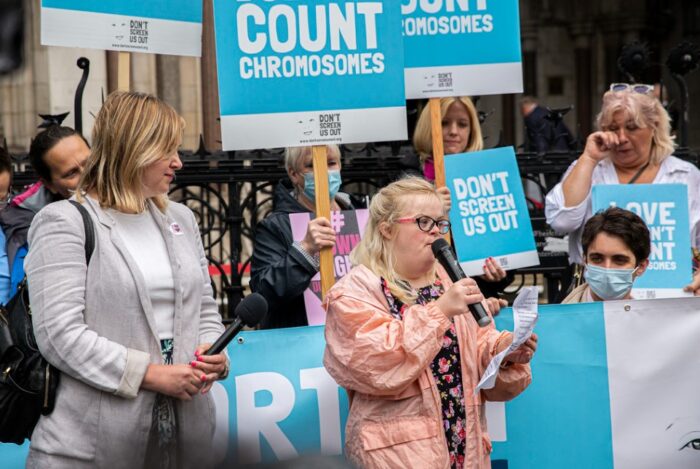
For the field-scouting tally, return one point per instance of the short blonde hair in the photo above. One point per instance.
(374, 250)
(645, 111)
(293, 155)
(423, 136)
(132, 130)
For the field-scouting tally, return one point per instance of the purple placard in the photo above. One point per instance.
(349, 226)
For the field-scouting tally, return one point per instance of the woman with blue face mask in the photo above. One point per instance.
(281, 269)
(616, 247)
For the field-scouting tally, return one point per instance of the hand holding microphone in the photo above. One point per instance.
(455, 300)
(210, 359)
(464, 288)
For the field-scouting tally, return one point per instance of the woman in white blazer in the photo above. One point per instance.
(128, 330)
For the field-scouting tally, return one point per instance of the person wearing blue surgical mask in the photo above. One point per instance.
(616, 246)
(281, 268)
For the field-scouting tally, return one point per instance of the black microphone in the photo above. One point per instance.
(249, 312)
(443, 253)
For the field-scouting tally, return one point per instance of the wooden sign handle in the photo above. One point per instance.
(323, 209)
(438, 148)
(124, 71)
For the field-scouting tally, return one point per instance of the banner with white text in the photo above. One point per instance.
(489, 212)
(309, 72)
(461, 47)
(172, 27)
(619, 374)
(664, 208)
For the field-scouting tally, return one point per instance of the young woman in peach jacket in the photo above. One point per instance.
(400, 340)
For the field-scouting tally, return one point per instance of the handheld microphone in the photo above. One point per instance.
(443, 253)
(249, 312)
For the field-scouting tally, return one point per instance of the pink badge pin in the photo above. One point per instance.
(175, 229)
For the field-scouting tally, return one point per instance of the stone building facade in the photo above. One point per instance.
(570, 52)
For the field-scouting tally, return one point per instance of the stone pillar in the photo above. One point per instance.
(168, 79)
(190, 100)
(210, 93)
(584, 81)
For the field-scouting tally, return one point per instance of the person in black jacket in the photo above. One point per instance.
(543, 131)
(281, 269)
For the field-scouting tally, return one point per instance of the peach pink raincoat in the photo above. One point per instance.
(395, 416)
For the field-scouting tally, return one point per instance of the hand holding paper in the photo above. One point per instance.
(525, 317)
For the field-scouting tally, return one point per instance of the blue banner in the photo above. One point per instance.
(489, 213)
(563, 418)
(281, 401)
(664, 208)
(315, 71)
(487, 61)
(618, 374)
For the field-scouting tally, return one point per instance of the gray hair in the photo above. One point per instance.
(645, 111)
(293, 155)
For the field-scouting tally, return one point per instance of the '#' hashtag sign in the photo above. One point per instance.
(337, 221)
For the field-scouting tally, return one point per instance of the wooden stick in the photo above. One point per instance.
(438, 148)
(124, 71)
(323, 209)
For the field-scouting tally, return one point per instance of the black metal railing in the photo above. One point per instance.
(230, 192)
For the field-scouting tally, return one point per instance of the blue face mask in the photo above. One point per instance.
(334, 182)
(609, 284)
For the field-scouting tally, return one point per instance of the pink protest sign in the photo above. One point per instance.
(349, 226)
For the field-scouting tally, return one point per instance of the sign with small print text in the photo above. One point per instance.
(309, 72)
(461, 47)
(664, 208)
(171, 27)
(489, 213)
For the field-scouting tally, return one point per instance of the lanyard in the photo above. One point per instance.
(639, 173)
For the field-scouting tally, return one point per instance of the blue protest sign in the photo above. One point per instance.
(309, 72)
(664, 208)
(489, 213)
(158, 26)
(461, 47)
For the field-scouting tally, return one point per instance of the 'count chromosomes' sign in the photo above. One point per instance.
(296, 73)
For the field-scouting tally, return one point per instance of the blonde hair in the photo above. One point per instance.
(374, 250)
(132, 130)
(423, 137)
(293, 155)
(645, 111)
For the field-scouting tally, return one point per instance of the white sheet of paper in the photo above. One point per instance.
(525, 316)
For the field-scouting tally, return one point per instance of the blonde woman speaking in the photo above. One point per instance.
(126, 331)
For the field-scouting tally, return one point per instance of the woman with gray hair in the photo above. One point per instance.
(281, 268)
(632, 146)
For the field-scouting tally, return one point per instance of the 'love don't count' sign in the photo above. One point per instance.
(155, 26)
(664, 208)
(309, 72)
(461, 47)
